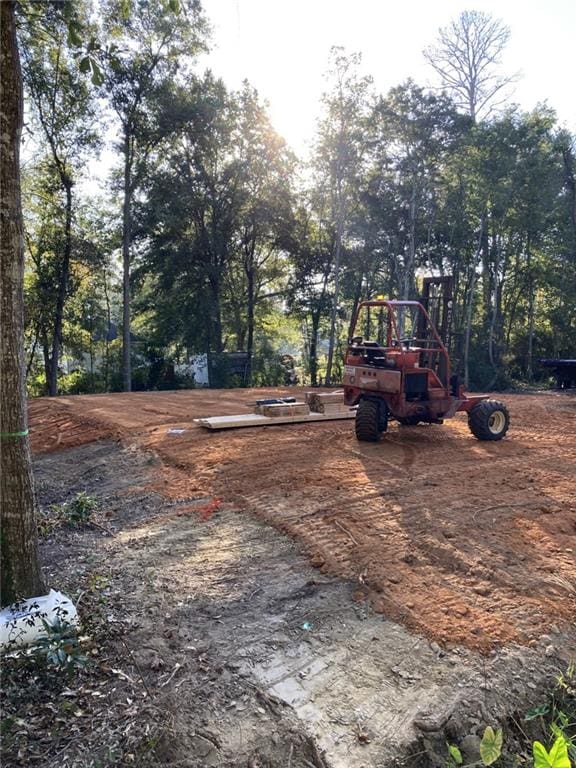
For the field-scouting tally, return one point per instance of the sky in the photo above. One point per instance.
(282, 48)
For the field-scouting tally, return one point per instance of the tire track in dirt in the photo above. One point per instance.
(333, 549)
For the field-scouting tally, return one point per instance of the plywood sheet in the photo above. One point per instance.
(256, 420)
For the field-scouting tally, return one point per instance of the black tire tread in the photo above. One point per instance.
(366, 423)
(479, 416)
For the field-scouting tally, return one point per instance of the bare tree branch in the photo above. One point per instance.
(467, 56)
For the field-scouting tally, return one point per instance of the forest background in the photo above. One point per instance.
(213, 237)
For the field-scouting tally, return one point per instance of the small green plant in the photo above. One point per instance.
(77, 511)
(491, 745)
(558, 714)
(557, 757)
(80, 508)
(557, 718)
(454, 756)
(490, 750)
(60, 649)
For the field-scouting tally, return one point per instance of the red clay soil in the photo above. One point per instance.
(464, 541)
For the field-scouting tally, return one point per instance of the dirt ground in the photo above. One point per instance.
(425, 589)
(462, 541)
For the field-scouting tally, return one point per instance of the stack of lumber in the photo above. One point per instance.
(326, 402)
(272, 401)
(284, 409)
(273, 411)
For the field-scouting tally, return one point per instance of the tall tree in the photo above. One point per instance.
(467, 56)
(265, 220)
(63, 117)
(414, 133)
(339, 158)
(311, 257)
(192, 216)
(217, 215)
(567, 145)
(20, 571)
(151, 41)
(522, 169)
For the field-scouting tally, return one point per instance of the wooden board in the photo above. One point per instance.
(334, 407)
(256, 420)
(283, 409)
(319, 401)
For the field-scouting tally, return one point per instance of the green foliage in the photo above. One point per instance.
(75, 512)
(75, 383)
(557, 715)
(557, 757)
(221, 237)
(490, 749)
(557, 719)
(80, 508)
(455, 755)
(539, 711)
(491, 745)
(60, 649)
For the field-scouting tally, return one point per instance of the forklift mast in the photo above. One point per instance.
(437, 301)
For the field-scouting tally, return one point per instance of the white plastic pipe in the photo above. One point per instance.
(21, 624)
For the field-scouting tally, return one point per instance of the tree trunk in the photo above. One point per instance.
(468, 327)
(408, 281)
(32, 352)
(570, 180)
(313, 356)
(62, 291)
(470, 307)
(356, 302)
(495, 312)
(216, 318)
(46, 358)
(531, 314)
(107, 337)
(334, 315)
(250, 323)
(20, 571)
(126, 243)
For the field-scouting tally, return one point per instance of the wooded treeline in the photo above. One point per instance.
(214, 237)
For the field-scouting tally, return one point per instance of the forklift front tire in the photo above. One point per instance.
(371, 420)
(489, 420)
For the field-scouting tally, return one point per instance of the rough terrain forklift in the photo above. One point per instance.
(397, 367)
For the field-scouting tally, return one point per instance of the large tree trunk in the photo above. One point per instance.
(62, 291)
(126, 243)
(20, 570)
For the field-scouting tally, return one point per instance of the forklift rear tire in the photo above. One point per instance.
(371, 420)
(489, 420)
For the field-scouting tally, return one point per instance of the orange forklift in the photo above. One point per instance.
(397, 367)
